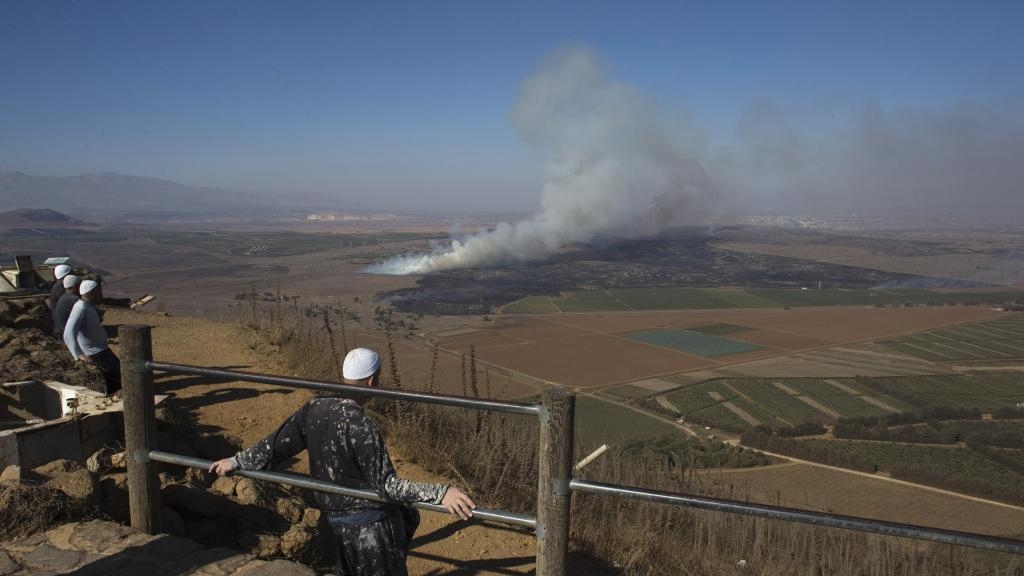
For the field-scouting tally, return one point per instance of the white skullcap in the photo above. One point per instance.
(360, 363)
(87, 286)
(70, 280)
(61, 271)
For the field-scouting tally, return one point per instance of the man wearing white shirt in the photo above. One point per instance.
(87, 340)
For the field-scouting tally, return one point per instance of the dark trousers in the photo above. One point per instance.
(110, 366)
(377, 548)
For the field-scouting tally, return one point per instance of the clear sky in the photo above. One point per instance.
(406, 104)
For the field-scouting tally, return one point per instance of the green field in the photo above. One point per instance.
(1001, 339)
(987, 391)
(696, 343)
(961, 469)
(532, 305)
(627, 392)
(716, 298)
(599, 422)
(771, 406)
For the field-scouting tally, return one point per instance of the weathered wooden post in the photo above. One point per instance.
(139, 427)
(555, 471)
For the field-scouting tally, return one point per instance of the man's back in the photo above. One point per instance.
(345, 446)
(61, 313)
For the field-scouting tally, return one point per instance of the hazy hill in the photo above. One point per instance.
(38, 217)
(104, 197)
(100, 195)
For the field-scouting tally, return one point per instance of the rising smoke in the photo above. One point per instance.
(612, 170)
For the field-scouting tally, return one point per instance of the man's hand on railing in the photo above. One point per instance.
(458, 503)
(222, 467)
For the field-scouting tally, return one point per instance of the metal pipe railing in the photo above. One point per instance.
(425, 397)
(554, 486)
(805, 517)
(312, 484)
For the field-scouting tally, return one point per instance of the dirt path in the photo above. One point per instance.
(245, 412)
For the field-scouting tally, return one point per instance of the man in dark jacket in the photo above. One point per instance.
(346, 447)
(62, 311)
(57, 289)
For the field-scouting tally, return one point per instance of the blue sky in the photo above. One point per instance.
(405, 105)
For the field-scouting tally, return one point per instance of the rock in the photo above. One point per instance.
(248, 491)
(101, 537)
(11, 473)
(296, 542)
(260, 545)
(57, 467)
(311, 517)
(7, 565)
(224, 485)
(210, 562)
(290, 510)
(198, 477)
(275, 568)
(99, 462)
(113, 493)
(49, 557)
(79, 484)
(118, 460)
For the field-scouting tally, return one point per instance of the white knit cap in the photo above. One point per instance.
(87, 286)
(360, 363)
(70, 280)
(61, 271)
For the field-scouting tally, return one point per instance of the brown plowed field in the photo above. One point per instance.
(482, 339)
(535, 329)
(780, 340)
(588, 349)
(591, 360)
(806, 486)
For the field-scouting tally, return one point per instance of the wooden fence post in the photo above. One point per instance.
(554, 471)
(139, 427)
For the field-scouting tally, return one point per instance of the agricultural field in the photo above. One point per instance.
(724, 298)
(605, 349)
(1000, 339)
(599, 422)
(778, 403)
(961, 469)
(864, 359)
(818, 488)
(694, 342)
(986, 391)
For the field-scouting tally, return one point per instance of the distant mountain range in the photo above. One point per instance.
(104, 197)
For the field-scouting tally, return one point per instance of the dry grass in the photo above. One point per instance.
(26, 509)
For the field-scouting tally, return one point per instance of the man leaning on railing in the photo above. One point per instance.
(346, 447)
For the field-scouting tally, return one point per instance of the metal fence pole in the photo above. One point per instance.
(139, 427)
(555, 471)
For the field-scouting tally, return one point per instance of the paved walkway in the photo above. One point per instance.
(107, 548)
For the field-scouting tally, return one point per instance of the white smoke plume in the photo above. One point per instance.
(612, 169)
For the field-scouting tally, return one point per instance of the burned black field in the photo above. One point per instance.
(681, 258)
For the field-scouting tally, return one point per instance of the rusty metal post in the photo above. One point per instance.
(139, 427)
(555, 471)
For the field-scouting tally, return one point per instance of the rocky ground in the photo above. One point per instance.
(250, 527)
(28, 351)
